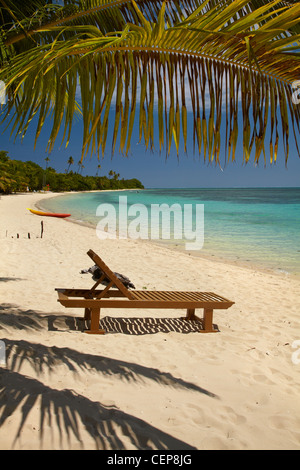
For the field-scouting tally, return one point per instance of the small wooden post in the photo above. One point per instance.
(42, 228)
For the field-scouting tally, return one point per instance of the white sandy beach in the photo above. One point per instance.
(161, 387)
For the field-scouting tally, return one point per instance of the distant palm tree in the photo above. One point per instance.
(232, 63)
(98, 169)
(80, 167)
(70, 162)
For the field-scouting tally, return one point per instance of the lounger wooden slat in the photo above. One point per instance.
(215, 297)
(174, 296)
(157, 295)
(189, 296)
(116, 295)
(205, 297)
(195, 296)
(138, 295)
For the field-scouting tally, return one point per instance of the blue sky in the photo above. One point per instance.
(152, 168)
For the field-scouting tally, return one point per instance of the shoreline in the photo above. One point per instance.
(208, 256)
(152, 381)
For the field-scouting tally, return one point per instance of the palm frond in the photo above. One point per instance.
(220, 60)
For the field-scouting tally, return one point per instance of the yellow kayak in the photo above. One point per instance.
(48, 214)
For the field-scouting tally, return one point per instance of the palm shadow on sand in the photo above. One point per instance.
(71, 413)
(109, 427)
(43, 358)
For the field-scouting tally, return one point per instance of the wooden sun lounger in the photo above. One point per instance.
(116, 295)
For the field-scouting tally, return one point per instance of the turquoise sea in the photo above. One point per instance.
(254, 226)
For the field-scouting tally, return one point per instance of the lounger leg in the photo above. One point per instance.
(87, 314)
(207, 320)
(190, 315)
(95, 319)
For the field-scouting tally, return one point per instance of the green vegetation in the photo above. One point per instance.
(18, 176)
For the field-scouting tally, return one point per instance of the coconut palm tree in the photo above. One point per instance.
(80, 167)
(70, 162)
(230, 65)
(98, 169)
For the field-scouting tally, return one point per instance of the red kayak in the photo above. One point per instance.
(48, 214)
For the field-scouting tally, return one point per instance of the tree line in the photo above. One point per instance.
(18, 176)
